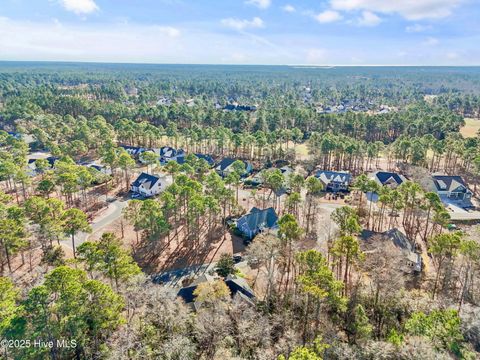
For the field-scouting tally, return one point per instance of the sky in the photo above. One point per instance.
(277, 32)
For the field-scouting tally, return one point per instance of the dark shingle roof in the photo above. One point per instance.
(225, 163)
(168, 151)
(97, 167)
(52, 160)
(398, 239)
(396, 236)
(207, 158)
(186, 293)
(144, 178)
(239, 285)
(133, 150)
(384, 176)
(234, 284)
(258, 219)
(448, 183)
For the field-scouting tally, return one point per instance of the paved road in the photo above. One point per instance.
(112, 213)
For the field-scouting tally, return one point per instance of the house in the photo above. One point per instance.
(285, 189)
(134, 151)
(238, 287)
(26, 138)
(258, 178)
(141, 155)
(207, 158)
(148, 185)
(334, 181)
(256, 222)
(451, 187)
(395, 243)
(168, 153)
(100, 168)
(131, 90)
(237, 107)
(32, 165)
(389, 179)
(166, 101)
(15, 135)
(225, 167)
(286, 171)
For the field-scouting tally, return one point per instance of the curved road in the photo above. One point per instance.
(112, 213)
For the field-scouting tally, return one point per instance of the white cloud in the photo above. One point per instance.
(80, 6)
(316, 56)
(139, 43)
(416, 28)
(452, 55)
(132, 42)
(288, 8)
(431, 41)
(262, 4)
(236, 58)
(369, 19)
(409, 9)
(26, 40)
(328, 16)
(169, 31)
(242, 24)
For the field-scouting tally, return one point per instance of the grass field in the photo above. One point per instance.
(471, 128)
(301, 151)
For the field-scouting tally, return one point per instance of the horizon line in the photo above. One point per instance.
(325, 66)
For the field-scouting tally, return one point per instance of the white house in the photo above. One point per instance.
(225, 167)
(452, 187)
(101, 168)
(148, 185)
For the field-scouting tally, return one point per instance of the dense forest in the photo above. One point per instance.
(85, 268)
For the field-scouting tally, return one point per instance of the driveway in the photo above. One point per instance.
(112, 213)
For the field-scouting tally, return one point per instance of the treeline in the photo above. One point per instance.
(415, 120)
(468, 105)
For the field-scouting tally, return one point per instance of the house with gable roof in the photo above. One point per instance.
(224, 167)
(148, 185)
(237, 286)
(334, 181)
(397, 244)
(451, 187)
(386, 178)
(257, 221)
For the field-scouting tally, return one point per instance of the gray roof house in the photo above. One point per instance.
(334, 181)
(238, 288)
(410, 261)
(452, 187)
(224, 167)
(257, 221)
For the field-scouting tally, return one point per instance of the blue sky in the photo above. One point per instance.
(310, 32)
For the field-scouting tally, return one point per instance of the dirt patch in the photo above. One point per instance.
(178, 251)
(471, 128)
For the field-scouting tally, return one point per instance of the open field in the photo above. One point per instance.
(471, 128)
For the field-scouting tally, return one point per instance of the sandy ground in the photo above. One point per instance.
(471, 128)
